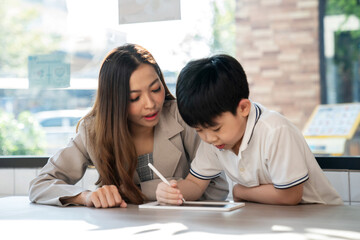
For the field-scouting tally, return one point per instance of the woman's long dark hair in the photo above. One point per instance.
(110, 135)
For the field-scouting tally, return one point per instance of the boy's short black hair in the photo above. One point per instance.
(208, 87)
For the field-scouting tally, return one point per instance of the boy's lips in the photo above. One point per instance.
(220, 146)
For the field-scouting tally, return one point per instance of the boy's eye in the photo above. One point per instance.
(157, 90)
(134, 99)
(217, 129)
(198, 130)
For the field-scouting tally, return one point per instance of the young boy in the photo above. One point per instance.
(258, 149)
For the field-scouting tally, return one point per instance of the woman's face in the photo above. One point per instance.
(147, 96)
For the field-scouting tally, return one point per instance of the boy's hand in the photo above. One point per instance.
(237, 192)
(166, 194)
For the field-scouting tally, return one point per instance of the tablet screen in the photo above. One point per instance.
(204, 205)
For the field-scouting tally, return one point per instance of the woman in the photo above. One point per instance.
(134, 121)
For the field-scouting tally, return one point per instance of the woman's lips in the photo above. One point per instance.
(220, 146)
(151, 116)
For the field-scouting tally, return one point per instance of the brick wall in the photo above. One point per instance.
(278, 45)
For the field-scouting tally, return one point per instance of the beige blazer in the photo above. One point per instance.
(175, 145)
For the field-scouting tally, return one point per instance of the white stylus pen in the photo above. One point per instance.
(161, 176)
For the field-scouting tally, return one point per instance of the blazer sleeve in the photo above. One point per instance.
(58, 177)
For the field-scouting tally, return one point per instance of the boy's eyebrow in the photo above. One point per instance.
(152, 83)
(216, 125)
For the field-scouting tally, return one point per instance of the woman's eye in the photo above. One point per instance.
(134, 99)
(157, 90)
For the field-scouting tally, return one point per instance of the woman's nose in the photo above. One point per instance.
(149, 102)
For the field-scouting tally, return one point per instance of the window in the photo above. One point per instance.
(340, 75)
(341, 33)
(71, 37)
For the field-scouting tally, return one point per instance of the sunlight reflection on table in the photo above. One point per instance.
(62, 229)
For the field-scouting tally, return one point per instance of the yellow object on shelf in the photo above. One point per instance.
(332, 127)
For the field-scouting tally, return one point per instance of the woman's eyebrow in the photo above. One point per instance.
(152, 83)
(157, 79)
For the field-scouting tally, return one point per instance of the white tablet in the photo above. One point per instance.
(196, 205)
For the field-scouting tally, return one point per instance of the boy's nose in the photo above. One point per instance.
(210, 138)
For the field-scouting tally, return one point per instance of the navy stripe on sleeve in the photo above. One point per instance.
(292, 184)
(197, 175)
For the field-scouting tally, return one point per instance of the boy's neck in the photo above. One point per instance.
(236, 147)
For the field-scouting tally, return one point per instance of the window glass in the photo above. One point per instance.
(51, 122)
(342, 51)
(340, 115)
(71, 37)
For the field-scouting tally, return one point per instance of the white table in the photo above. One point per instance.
(20, 219)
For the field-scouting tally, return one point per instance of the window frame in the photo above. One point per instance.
(323, 84)
(328, 162)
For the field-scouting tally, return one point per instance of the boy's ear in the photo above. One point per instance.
(244, 107)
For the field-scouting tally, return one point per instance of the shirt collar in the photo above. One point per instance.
(254, 115)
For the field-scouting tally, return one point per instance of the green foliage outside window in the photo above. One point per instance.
(347, 7)
(21, 136)
(224, 27)
(20, 37)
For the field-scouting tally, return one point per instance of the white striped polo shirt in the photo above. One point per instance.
(273, 151)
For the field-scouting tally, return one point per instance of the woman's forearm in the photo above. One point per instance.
(79, 199)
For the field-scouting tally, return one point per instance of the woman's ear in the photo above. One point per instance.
(244, 107)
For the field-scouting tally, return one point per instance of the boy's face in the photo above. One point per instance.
(228, 130)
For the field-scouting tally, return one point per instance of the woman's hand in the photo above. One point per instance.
(104, 197)
(166, 194)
